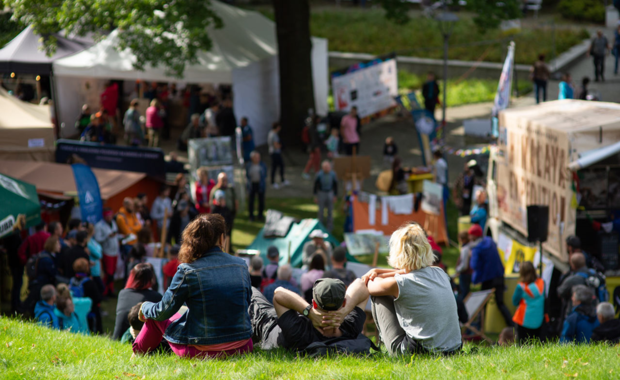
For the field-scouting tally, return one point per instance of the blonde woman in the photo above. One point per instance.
(413, 305)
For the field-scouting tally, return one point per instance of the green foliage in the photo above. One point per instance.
(583, 10)
(160, 32)
(396, 10)
(368, 31)
(9, 28)
(460, 92)
(490, 14)
(33, 352)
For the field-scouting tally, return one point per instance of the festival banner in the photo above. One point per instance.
(91, 205)
(502, 98)
(518, 255)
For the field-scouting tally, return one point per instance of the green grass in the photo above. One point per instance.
(368, 31)
(29, 351)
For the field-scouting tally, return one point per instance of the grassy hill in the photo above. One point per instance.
(28, 351)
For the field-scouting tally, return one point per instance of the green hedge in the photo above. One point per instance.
(583, 10)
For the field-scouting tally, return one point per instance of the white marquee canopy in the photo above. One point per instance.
(244, 54)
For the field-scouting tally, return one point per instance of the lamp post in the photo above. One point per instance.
(446, 22)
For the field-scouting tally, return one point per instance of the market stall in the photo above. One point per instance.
(19, 205)
(26, 130)
(244, 55)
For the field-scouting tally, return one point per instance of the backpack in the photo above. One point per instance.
(596, 282)
(33, 263)
(76, 286)
(359, 346)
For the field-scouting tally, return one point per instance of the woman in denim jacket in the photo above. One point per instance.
(216, 289)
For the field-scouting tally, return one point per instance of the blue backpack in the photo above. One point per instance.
(596, 282)
(76, 286)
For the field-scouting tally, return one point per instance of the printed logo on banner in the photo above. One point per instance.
(88, 192)
(6, 225)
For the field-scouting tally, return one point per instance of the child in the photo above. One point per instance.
(389, 151)
(135, 325)
(506, 337)
(529, 296)
(84, 119)
(68, 318)
(332, 144)
(566, 87)
(463, 271)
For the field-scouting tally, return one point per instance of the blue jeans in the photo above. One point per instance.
(538, 86)
(464, 285)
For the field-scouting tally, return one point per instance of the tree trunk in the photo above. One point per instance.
(295, 51)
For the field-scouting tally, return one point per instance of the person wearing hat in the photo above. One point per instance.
(488, 268)
(335, 312)
(318, 242)
(413, 305)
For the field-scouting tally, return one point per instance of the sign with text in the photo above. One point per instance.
(132, 159)
(370, 86)
(532, 169)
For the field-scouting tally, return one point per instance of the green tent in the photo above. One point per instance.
(298, 235)
(17, 198)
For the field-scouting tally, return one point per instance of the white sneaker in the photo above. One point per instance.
(275, 186)
(286, 183)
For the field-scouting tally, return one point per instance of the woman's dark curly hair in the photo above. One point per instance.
(201, 235)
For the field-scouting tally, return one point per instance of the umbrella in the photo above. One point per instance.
(18, 202)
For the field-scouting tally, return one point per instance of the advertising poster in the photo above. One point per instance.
(432, 198)
(370, 86)
(212, 151)
(364, 244)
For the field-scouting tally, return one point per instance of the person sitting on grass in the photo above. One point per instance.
(413, 305)
(315, 271)
(44, 309)
(506, 337)
(580, 323)
(215, 287)
(67, 318)
(81, 306)
(256, 272)
(529, 296)
(338, 271)
(609, 328)
(83, 286)
(135, 325)
(293, 323)
(137, 290)
(285, 272)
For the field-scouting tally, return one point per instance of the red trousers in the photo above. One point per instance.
(314, 162)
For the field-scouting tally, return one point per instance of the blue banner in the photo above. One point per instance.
(87, 186)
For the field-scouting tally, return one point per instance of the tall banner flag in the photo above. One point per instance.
(87, 186)
(502, 98)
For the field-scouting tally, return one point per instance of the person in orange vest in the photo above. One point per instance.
(128, 226)
(529, 296)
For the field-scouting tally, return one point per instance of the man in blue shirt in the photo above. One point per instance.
(44, 309)
(247, 137)
(285, 273)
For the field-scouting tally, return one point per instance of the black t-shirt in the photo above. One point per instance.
(298, 332)
(128, 298)
(66, 260)
(256, 281)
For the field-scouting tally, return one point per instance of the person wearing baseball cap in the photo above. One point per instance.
(318, 242)
(488, 268)
(335, 312)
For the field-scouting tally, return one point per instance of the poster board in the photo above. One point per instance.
(432, 198)
(210, 151)
(365, 243)
(370, 86)
(344, 167)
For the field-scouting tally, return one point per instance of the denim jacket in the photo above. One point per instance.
(216, 289)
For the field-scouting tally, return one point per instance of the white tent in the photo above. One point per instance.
(26, 130)
(244, 54)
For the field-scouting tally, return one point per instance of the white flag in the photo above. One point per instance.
(502, 98)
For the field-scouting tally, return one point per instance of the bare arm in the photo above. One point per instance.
(285, 300)
(383, 287)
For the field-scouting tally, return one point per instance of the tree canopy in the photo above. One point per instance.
(159, 32)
